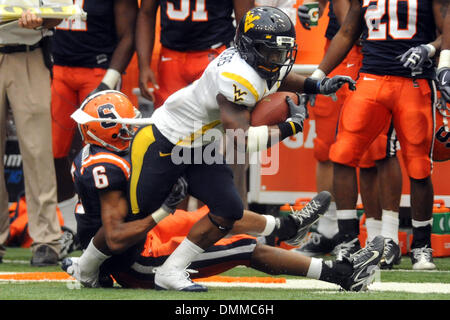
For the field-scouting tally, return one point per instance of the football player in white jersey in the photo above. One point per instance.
(221, 99)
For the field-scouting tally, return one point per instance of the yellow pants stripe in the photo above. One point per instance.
(142, 141)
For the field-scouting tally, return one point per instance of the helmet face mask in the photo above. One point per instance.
(109, 104)
(265, 39)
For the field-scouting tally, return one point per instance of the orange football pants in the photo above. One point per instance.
(177, 70)
(326, 114)
(70, 86)
(370, 108)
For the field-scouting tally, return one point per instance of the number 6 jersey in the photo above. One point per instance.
(95, 170)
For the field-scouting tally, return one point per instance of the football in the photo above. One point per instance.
(272, 109)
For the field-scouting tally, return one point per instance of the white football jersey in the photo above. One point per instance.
(189, 113)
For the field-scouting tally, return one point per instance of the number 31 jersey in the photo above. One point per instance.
(390, 28)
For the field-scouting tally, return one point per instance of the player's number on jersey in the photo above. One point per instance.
(199, 12)
(378, 30)
(100, 178)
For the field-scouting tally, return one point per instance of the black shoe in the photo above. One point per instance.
(365, 263)
(317, 245)
(346, 247)
(391, 255)
(1, 259)
(308, 215)
(44, 256)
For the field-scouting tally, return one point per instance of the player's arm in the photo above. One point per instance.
(343, 41)
(116, 234)
(340, 9)
(446, 29)
(234, 116)
(145, 39)
(241, 7)
(125, 13)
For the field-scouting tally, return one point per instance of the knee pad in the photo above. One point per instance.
(418, 168)
(344, 153)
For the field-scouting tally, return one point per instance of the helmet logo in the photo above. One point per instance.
(249, 21)
(106, 111)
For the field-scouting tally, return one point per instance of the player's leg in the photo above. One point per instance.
(413, 122)
(352, 273)
(212, 184)
(363, 118)
(64, 103)
(326, 114)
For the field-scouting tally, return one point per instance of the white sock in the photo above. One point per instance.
(315, 268)
(347, 214)
(92, 258)
(328, 225)
(390, 225)
(182, 256)
(418, 224)
(373, 228)
(270, 225)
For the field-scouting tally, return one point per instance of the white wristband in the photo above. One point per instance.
(318, 74)
(444, 59)
(432, 50)
(111, 78)
(159, 214)
(257, 138)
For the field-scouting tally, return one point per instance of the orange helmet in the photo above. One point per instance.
(110, 104)
(441, 146)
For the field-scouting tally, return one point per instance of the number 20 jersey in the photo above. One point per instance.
(189, 113)
(390, 28)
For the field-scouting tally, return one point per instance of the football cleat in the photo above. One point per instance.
(72, 267)
(346, 248)
(308, 215)
(422, 258)
(365, 263)
(391, 255)
(178, 280)
(317, 245)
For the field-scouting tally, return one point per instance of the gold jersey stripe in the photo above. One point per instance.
(141, 143)
(197, 134)
(244, 82)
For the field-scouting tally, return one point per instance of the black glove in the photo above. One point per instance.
(416, 57)
(101, 87)
(304, 17)
(329, 86)
(178, 193)
(443, 80)
(298, 113)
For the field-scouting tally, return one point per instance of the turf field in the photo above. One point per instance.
(20, 281)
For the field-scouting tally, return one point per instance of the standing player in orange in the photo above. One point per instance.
(380, 162)
(386, 90)
(89, 56)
